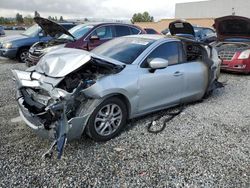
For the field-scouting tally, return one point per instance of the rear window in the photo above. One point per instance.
(150, 31)
(135, 31)
(122, 31)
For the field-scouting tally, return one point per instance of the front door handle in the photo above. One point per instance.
(178, 73)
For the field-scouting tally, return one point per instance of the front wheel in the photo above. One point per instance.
(23, 55)
(107, 120)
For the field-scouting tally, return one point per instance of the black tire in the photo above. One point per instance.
(91, 127)
(29, 64)
(21, 54)
(208, 94)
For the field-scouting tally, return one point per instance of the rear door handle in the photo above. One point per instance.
(178, 73)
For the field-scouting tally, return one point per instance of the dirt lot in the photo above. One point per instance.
(206, 146)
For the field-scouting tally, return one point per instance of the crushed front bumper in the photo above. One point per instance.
(30, 108)
(76, 124)
(9, 53)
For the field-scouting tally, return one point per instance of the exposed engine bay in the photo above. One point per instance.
(226, 50)
(54, 42)
(90, 72)
(54, 108)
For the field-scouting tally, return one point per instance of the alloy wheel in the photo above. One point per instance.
(108, 119)
(24, 56)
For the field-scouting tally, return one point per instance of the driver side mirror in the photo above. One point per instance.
(94, 38)
(158, 63)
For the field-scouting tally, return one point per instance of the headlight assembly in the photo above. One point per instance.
(7, 45)
(244, 55)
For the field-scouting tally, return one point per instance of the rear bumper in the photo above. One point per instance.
(9, 53)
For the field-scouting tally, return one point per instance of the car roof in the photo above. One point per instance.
(107, 23)
(157, 37)
(152, 37)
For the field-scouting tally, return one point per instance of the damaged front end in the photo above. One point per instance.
(50, 97)
(49, 111)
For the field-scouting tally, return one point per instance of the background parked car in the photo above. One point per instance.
(185, 29)
(85, 37)
(205, 34)
(165, 31)
(233, 43)
(151, 31)
(17, 46)
(2, 31)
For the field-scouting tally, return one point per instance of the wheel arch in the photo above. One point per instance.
(23, 47)
(123, 98)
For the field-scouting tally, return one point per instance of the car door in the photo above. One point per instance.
(99, 36)
(163, 87)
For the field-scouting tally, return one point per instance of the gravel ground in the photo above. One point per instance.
(207, 145)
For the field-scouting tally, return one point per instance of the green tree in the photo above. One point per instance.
(142, 17)
(19, 18)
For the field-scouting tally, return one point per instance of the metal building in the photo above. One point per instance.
(212, 9)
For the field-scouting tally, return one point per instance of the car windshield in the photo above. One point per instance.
(77, 31)
(32, 31)
(124, 49)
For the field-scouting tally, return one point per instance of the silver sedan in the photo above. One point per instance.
(72, 91)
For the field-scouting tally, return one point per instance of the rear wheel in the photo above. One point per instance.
(107, 120)
(23, 55)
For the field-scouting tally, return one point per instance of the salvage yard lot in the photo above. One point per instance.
(207, 145)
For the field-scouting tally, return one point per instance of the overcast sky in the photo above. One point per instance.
(109, 9)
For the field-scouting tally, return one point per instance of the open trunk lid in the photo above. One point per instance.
(181, 27)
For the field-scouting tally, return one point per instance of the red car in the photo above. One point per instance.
(84, 36)
(151, 31)
(233, 43)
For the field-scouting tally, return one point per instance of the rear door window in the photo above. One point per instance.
(168, 51)
(121, 30)
(104, 32)
(134, 31)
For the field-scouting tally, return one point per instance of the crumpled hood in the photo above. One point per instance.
(51, 28)
(61, 62)
(232, 27)
(181, 27)
(12, 38)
